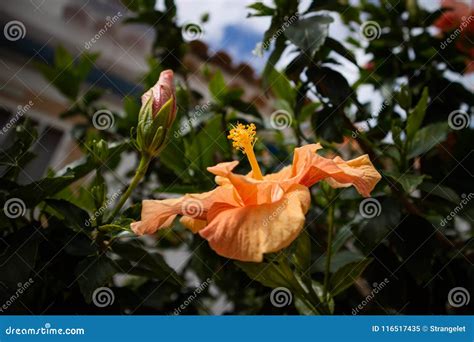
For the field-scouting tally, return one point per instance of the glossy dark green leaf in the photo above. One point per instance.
(347, 275)
(309, 33)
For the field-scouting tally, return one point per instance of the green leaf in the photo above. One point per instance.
(415, 117)
(310, 33)
(261, 9)
(403, 97)
(338, 260)
(217, 86)
(347, 275)
(427, 138)
(282, 87)
(305, 309)
(210, 140)
(409, 182)
(133, 250)
(92, 273)
(73, 217)
(268, 274)
(441, 191)
(302, 253)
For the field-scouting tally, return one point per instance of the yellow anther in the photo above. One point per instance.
(243, 138)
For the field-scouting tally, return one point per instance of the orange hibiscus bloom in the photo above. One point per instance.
(246, 216)
(458, 19)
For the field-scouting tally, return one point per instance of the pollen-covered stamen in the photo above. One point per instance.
(243, 138)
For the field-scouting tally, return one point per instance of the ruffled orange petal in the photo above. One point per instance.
(250, 190)
(309, 168)
(157, 214)
(246, 233)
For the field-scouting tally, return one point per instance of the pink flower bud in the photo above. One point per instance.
(161, 92)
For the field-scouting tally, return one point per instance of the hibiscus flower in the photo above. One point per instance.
(247, 216)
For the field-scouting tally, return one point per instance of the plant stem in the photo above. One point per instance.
(327, 270)
(139, 174)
